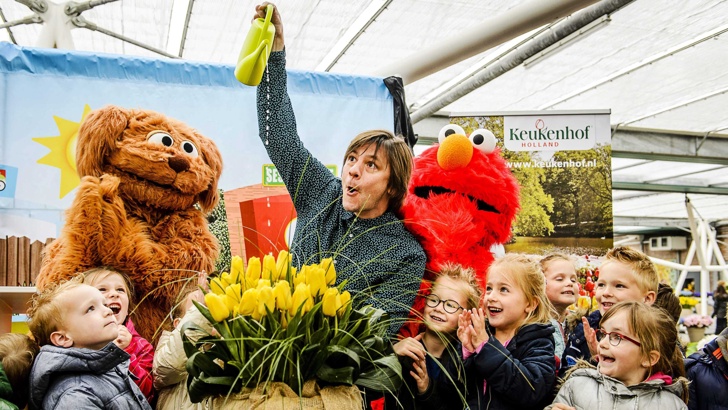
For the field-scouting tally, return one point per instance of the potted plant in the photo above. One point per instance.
(696, 325)
(688, 303)
(287, 338)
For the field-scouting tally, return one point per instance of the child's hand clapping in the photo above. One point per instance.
(412, 347)
(471, 329)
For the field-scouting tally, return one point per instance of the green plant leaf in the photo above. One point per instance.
(341, 375)
(384, 376)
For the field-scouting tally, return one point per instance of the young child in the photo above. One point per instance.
(638, 359)
(562, 291)
(78, 366)
(707, 371)
(170, 373)
(434, 361)
(509, 360)
(624, 275)
(16, 358)
(117, 289)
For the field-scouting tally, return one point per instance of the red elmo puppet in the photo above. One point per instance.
(462, 200)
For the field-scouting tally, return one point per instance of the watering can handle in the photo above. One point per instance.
(266, 23)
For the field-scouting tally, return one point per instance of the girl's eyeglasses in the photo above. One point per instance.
(615, 338)
(449, 305)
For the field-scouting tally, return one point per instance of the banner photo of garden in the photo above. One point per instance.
(562, 161)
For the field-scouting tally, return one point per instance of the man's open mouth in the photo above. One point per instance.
(425, 192)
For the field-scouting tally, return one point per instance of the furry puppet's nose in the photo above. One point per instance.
(454, 152)
(179, 164)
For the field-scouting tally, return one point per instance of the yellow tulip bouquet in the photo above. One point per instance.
(275, 323)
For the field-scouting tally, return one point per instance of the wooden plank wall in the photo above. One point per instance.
(20, 260)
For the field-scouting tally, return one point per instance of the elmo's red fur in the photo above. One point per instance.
(458, 214)
(142, 173)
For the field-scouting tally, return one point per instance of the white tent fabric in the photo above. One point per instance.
(654, 64)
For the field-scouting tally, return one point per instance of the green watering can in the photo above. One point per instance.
(254, 55)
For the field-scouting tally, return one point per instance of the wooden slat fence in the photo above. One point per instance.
(20, 260)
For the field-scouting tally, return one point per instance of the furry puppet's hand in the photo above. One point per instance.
(109, 187)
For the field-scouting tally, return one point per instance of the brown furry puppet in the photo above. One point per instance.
(142, 173)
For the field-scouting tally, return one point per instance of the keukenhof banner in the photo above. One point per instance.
(562, 161)
(45, 94)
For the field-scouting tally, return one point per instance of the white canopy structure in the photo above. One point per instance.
(658, 66)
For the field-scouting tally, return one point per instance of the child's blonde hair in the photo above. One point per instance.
(17, 353)
(45, 315)
(556, 256)
(642, 267)
(656, 331)
(98, 273)
(526, 273)
(457, 272)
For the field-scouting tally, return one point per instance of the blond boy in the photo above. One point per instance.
(624, 275)
(78, 366)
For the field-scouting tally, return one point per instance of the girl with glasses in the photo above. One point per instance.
(508, 345)
(640, 364)
(426, 356)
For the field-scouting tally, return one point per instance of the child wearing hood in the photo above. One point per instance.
(79, 366)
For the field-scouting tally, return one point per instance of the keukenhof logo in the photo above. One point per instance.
(549, 133)
(3, 177)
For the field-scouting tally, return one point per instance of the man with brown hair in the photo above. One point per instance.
(351, 219)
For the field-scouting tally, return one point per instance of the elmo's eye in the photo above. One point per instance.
(483, 140)
(160, 137)
(449, 130)
(190, 149)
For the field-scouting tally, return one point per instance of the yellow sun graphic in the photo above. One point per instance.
(63, 151)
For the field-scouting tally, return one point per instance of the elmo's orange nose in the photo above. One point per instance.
(455, 152)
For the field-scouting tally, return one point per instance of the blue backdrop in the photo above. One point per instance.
(45, 92)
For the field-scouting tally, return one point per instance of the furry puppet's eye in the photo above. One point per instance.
(449, 130)
(483, 140)
(160, 137)
(190, 149)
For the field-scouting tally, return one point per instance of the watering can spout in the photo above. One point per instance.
(254, 54)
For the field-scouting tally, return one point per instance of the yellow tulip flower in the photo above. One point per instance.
(316, 279)
(234, 292)
(262, 283)
(327, 264)
(225, 279)
(345, 297)
(300, 277)
(266, 300)
(282, 265)
(301, 297)
(252, 274)
(216, 304)
(236, 269)
(230, 302)
(584, 302)
(282, 293)
(217, 287)
(249, 302)
(331, 302)
(269, 266)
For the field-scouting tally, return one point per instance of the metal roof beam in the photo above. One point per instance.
(560, 31)
(688, 189)
(352, 34)
(656, 145)
(651, 221)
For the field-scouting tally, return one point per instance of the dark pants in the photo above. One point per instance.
(720, 324)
